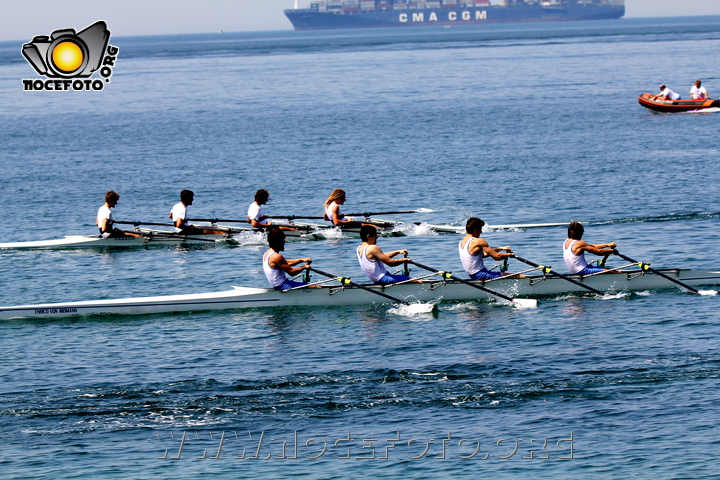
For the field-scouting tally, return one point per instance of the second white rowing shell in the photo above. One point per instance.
(243, 297)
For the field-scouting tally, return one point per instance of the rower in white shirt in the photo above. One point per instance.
(179, 216)
(256, 218)
(104, 219)
(333, 210)
(574, 249)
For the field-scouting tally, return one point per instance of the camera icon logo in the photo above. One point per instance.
(67, 54)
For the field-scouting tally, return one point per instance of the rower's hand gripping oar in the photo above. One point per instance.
(548, 270)
(520, 302)
(412, 307)
(646, 267)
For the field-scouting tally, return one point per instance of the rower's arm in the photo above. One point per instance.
(374, 253)
(286, 265)
(103, 224)
(600, 249)
(495, 254)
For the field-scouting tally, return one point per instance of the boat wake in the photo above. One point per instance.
(670, 217)
(421, 230)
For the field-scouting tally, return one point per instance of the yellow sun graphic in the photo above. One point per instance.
(67, 56)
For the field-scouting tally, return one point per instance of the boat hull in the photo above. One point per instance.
(327, 296)
(95, 241)
(314, 19)
(648, 101)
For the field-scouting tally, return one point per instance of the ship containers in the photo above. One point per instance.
(351, 5)
(400, 4)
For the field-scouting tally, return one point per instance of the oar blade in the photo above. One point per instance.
(708, 292)
(525, 303)
(412, 309)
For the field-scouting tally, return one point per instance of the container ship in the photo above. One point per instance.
(327, 14)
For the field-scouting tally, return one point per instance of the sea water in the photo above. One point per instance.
(515, 124)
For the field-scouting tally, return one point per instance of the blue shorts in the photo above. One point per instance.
(589, 270)
(288, 284)
(485, 274)
(389, 278)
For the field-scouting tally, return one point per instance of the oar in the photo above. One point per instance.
(372, 214)
(646, 267)
(413, 307)
(185, 237)
(549, 270)
(520, 302)
(137, 224)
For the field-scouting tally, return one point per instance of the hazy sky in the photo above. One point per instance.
(23, 19)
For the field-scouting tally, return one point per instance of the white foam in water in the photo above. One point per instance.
(613, 296)
(707, 292)
(525, 303)
(412, 309)
(421, 230)
(251, 238)
(332, 233)
(424, 210)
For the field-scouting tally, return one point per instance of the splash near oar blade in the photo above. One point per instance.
(646, 267)
(518, 302)
(411, 308)
(525, 303)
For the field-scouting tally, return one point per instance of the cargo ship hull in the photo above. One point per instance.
(309, 19)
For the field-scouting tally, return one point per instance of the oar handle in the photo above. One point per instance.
(646, 267)
(462, 280)
(549, 270)
(347, 281)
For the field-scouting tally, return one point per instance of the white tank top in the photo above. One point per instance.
(275, 276)
(471, 263)
(374, 270)
(574, 263)
(329, 212)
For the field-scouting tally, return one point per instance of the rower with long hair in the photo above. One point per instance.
(333, 211)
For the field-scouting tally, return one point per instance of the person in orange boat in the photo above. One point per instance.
(667, 94)
(698, 92)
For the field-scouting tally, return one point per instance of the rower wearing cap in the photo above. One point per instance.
(574, 250)
(373, 260)
(276, 266)
(179, 216)
(472, 249)
(667, 94)
(104, 219)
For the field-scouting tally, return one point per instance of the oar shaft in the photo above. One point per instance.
(144, 223)
(371, 214)
(215, 220)
(646, 266)
(564, 277)
(177, 235)
(363, 287)
(462, 280)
